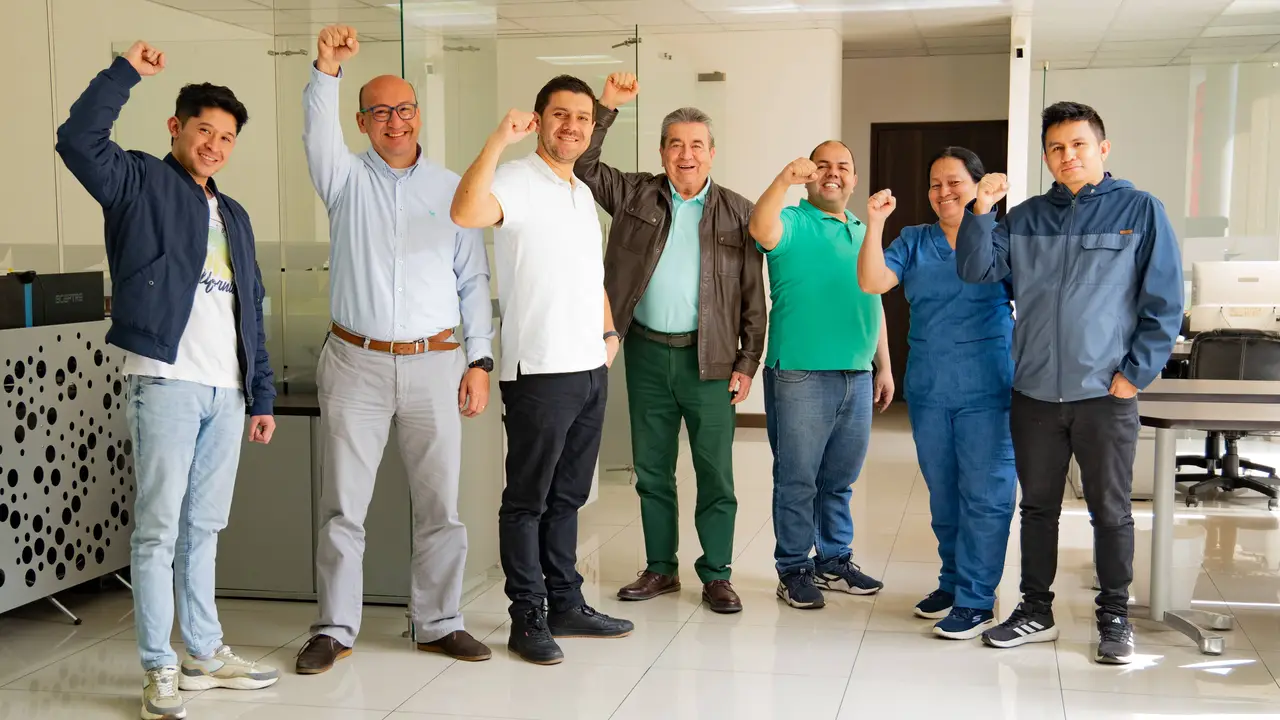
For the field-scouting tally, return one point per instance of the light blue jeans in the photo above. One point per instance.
(186, 439)
(819, 426)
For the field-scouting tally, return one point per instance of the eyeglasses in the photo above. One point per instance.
(382, 113)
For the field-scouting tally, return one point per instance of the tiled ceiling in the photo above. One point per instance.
(1136, 33)
(1066, 33)
(870, 27)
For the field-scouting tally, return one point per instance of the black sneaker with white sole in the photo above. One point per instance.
(1115, 640)
(797, 590)
(936, 606)
(1029, 623)
(846, 577)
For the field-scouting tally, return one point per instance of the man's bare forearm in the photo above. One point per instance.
(471, 207)
(766, 218)
(882, 345)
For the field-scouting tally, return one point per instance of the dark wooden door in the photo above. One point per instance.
(899, 153)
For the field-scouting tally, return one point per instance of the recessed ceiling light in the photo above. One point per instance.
(580, 60)
(446, 12)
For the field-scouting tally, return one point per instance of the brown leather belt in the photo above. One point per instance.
(679, 340)
(435, 343)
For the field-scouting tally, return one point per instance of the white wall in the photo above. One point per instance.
(918, 89)
(27, 185)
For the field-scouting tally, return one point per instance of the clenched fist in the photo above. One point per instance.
(881, 205)
(145, 59)
(515, 127)
(799, 172)
(991, 189)
(336, 45)
(619, 89)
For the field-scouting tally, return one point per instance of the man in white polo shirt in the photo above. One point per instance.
(558, 340)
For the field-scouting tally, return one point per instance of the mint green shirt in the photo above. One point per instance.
(670, 303)
(821, 319)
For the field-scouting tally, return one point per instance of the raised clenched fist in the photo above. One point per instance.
(336, 45)
(881, 205)
(991, 189)
(619, 89)
(515, 127)
(799, 172)
(145, 59)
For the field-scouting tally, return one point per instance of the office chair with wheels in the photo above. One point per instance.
(1229, 354)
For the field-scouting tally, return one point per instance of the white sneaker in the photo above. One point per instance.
(226, 670)
(160, 697)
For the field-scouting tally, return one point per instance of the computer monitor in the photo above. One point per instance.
(1235, 295)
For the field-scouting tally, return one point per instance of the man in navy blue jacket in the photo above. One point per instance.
(187, 309)
(1097, 279)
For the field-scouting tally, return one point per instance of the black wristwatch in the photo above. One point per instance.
(485, 364)
(612, 333)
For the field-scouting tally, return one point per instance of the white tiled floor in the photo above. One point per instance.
(857, 658)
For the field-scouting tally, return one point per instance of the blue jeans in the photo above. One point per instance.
(966, 457)
(186, 440)
(819, 427)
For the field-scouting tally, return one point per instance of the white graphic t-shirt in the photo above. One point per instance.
(207, 352)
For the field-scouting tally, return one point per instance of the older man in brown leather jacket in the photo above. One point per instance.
(686, 284)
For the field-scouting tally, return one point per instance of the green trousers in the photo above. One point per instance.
(663, 387)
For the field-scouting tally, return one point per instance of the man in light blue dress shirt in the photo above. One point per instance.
(402, 277)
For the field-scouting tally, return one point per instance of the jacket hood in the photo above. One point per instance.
(1059, 194)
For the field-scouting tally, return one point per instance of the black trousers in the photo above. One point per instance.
(1102, 434)
(553, 426)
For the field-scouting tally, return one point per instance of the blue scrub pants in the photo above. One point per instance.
(966, 456)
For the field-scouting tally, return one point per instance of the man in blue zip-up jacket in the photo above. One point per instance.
(187, 309)
(1097, 283)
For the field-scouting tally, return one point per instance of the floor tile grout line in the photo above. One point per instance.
(897, 535)
(849, 682)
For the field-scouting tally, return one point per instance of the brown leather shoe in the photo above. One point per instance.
(319, 655)
(650, 585)
(459, 645)
(720, 597)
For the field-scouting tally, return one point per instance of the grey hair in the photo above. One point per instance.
(686, 115)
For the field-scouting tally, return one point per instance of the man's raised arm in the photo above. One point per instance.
(982, 245)
(328, 158)
(474, 203)
(107, 171)
(609, 185)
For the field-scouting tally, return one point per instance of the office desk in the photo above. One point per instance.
(1207, 405)
(1213, 391)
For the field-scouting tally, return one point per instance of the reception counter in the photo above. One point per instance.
(66, 461)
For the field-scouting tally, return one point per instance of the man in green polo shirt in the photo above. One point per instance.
(826, 340)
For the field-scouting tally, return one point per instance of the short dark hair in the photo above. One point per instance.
(814, 152)
(1065, 112)
(562, 83)
(972, 163)
(195, 99)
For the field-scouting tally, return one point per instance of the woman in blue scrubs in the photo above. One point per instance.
(958, 387)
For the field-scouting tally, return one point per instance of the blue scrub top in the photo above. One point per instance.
(961, 333)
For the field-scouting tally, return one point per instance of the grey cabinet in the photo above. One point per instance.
(267, 547)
